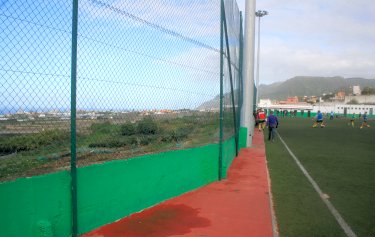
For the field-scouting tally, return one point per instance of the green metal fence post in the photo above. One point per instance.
(73, 115)
(221, 88)
(231, 81)
(240, 84)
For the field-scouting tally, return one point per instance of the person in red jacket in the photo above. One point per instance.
(261, 117)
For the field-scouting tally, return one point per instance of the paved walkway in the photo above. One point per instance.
(236, 207)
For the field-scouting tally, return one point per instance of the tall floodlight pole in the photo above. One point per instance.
(247, 119)
(258, 14)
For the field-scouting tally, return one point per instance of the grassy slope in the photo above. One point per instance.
(341, 160)
(49, 151)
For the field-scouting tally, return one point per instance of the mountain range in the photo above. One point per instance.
(299, 86)
(215, 102)
(311, 86)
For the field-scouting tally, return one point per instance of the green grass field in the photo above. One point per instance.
(341, 159)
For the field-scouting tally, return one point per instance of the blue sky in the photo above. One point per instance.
(125, 65)
(316, 38)
(125, 59)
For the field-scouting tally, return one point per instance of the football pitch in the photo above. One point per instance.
(340, 159)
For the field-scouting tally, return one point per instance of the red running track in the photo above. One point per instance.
(236, 207)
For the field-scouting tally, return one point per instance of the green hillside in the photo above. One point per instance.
(309, 86)
(298, 86)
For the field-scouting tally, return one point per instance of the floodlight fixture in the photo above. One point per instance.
(261, 13)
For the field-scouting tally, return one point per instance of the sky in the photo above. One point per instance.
(132, 54)
(164, 54)
(316, 38)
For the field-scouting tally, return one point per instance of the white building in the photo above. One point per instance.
(354, 109)
(356, 90)
(264, 103)
(324, 107)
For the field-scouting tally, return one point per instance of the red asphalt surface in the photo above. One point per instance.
(236, 207)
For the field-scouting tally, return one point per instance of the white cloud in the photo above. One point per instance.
(202, 63)
(280, 62)
(200, 17)
(316, 37)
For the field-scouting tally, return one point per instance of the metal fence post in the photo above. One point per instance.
(231, 80)
(73, 110)
(221, 89)
(240, 84)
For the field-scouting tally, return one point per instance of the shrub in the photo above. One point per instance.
(168, 137)
(108, 143)
(146, 140)
(132, 140)
(115, 142)
(353, 102)
(176, 135)
(105, 127)
(181, 133)
(147, 126)
(127, 129)
(33, 141)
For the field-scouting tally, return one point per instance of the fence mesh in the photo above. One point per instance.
(148, 80)
(231, 67)
(35, 39)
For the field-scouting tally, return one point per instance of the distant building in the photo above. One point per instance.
(340, 95)
(356, 90)
(290, 100)
(361, 99)
(264, 103)
(3, 118)
(325, 107)
(313, 99)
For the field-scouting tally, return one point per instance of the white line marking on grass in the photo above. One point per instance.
(349, 232)
(275, 228)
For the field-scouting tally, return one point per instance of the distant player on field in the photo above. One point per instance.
(331, 115)
(352, 120)
(364, 123)
(319, 120)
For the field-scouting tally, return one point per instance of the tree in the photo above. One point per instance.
(147, 126)
(328, 96)
(368, 91)
(353, 102)
(128, 129)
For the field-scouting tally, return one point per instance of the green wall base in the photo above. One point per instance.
(41, 205)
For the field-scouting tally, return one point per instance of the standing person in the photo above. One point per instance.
(352, 120)
(331, 115)
(319, 120)
(272, 124)
(255, 114)
(364, 123)
(261, 116)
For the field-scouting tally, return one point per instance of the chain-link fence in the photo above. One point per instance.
(35, 39)
(148, 80)
(232, 75)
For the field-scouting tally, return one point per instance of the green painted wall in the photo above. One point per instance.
(229, 153)
(116, 189)
(28, 206)
(41, 205)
